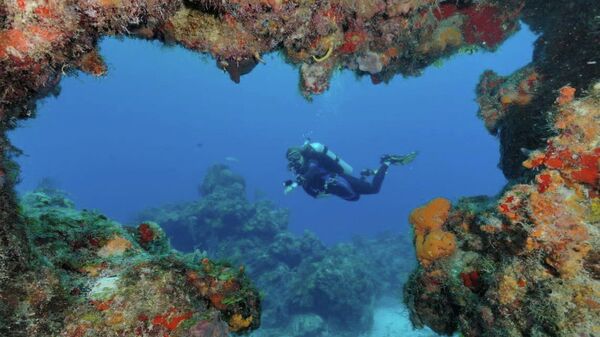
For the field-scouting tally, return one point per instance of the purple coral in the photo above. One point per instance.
(210, 328)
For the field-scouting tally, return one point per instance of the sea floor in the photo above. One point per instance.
(390, 320)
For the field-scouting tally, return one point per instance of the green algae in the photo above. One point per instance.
(103, 276)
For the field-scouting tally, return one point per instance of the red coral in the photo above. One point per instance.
(588, 171)
(352, 40)
(217, 301)
(171, 321)
(483, 23)
(102, 305)
(470, 279)
(146, 233)
(584, 168)
(544, 181)
(567, 94)
(44, 12)
(445, 11)
(12, 38)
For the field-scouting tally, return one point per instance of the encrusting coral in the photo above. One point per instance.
(528, 260)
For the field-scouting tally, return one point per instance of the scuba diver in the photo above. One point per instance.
(321, 172)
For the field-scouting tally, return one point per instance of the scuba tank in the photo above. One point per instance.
(320, 148)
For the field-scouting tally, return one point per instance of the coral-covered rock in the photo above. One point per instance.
(40, 41)
(98, 279)
(496, 95)
(529, 256)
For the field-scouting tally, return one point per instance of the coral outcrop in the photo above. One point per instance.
(94, 277)
(526, 262)
(308, 288)
(41, 41)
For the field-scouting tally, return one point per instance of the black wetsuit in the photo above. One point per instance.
(321, 175)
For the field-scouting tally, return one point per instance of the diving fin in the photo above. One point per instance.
(392, 159)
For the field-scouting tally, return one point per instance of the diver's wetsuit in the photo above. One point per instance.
(316, 180)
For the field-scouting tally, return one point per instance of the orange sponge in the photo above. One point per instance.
(431, 216)
(431, 242)
(433, 246)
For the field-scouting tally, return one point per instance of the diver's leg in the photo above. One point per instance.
(378, 178)
(342, 187)
(361, 186)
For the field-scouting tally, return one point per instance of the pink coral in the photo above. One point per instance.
(210, 328)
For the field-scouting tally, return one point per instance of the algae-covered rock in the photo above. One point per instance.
(94, 277)
(306, 325)
(221, 177)
(340, 287)
(297, 274)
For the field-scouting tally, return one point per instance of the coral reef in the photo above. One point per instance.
(94, 277)
(41, 41)
(526, 262)
(522, 264)
(308, 288)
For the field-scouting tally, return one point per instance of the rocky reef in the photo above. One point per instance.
(523, 263)
(93, 277)
(41, 41)
(307, 288)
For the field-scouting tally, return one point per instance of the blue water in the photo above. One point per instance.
(145, 134)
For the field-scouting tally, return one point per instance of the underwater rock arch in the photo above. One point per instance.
(43, 40)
